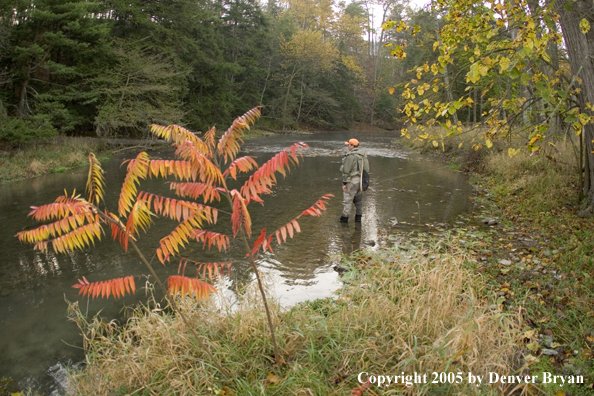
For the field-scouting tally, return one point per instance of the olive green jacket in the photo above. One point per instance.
(349, 168)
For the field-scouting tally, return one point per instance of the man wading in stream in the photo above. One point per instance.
(353, 164)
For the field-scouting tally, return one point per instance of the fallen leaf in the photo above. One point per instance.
(272, 379)
(227, 391)
(533, 346)
(531, 359)
(530, 334)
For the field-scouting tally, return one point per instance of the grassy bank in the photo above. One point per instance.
(57, 156)
(552, 275)
(400, 310)
(65, 153)
(538, 257)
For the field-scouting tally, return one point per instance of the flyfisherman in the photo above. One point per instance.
(353, 164)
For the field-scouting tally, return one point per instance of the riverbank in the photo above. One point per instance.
(57, 156)
(400, 310)
(65, 153)
(522, 301)
(536, 255)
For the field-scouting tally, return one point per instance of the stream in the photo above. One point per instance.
(36, 339)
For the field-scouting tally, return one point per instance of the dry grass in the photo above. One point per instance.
(544, 183)
(399, 314)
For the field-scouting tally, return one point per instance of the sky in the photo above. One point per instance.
(377, 10)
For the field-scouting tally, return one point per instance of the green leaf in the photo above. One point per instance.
(567, 6)
(515, 73)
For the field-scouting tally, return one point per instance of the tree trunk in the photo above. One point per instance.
(580, 50)
(287, 97)
(22, 109)
(475, 106)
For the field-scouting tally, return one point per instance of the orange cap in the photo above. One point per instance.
(354, 142)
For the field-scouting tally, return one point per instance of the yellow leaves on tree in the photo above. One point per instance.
(309, 48)
(584, 26)
(312, 14)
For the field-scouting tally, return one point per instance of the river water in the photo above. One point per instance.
(34, 332)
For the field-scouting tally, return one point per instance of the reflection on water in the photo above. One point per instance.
(34, 334)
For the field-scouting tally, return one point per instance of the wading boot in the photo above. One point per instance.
(344, 219)
(358, 218)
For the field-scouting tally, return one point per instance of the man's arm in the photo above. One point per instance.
(347, 168)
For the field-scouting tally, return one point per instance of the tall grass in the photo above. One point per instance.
(399, 314)
(541, 183)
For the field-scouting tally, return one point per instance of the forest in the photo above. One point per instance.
(111, 68)
(522, 70)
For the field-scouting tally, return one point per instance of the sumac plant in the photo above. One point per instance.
(201, 172)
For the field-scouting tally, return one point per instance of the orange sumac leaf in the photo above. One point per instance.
(240, 216)
(185, 285)
(243, 164)
(264, 178)
(228, 145)
(182, 170)
(317, 208)
(178, 209)
(195, 190)
(212, 268)
(118, 229)
(263, 242)
(293, 226)
(212, 238)
(116, 287)
(202, 166)
(209, 138)
(58, 210)
(179, 135)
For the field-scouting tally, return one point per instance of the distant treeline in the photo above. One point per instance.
(110, 68)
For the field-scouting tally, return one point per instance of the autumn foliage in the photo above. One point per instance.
(200, 173)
